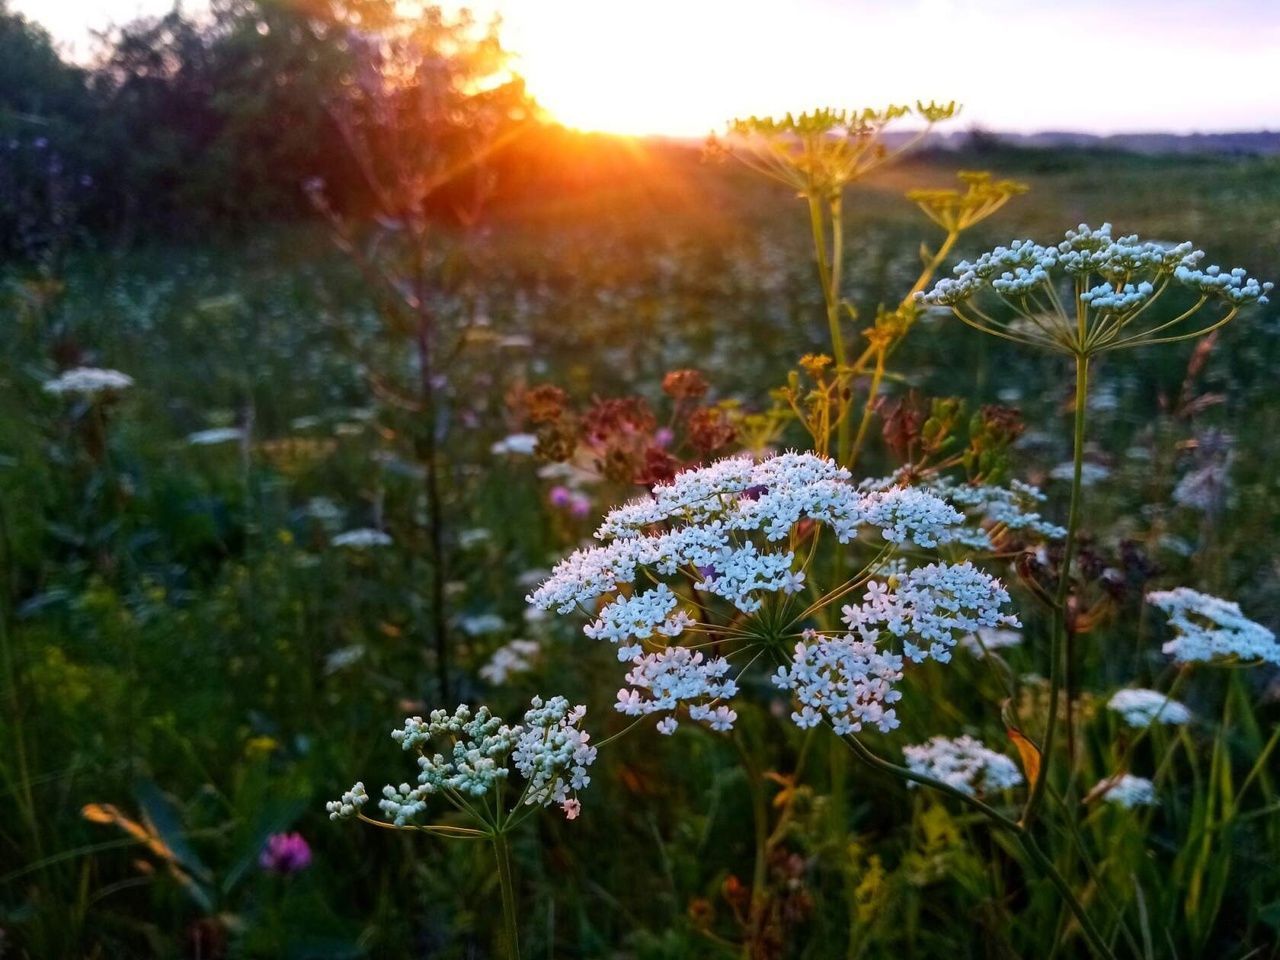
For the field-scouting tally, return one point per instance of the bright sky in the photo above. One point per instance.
(682, 67)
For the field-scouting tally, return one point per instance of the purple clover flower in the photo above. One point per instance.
(285, 853)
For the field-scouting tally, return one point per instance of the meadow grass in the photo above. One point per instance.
(188, 657)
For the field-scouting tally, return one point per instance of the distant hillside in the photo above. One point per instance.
(1248, 143)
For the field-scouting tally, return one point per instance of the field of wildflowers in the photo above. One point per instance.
(740, 574)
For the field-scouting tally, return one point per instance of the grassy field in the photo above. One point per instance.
(192, 666)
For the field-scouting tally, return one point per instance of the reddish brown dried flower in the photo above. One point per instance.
(709, 429)
(658, 467)
(543, 403)
(618, 416)
(684, 385)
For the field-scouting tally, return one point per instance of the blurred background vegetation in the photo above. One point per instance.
(191, 667)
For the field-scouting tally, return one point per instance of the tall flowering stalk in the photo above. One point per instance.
(716, 572)
(1085, 296)
(819, 154)
(466, 759)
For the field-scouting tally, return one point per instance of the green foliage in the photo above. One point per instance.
(183, 645)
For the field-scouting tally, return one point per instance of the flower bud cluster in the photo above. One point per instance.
(963, 763)
(1234, 286)
(1208, 628)
(553, 753)
(349, 804)
(550, 750)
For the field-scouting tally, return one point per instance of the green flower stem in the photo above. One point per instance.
(1060, 647)
(1020, 833)
(502, 855)
(760, 821)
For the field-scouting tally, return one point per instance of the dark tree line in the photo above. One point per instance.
(181, 124)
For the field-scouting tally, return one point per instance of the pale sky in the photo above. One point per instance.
(682, 67)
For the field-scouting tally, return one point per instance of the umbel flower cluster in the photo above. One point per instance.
(990, 510)
(963, 763)
(1210, 628)
(1110, 284)
(90, 382)
(1142, 708)
(1127, 791)
(549, 750)
(717, 554)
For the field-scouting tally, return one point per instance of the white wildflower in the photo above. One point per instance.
(1090, 473)
(991, 639)
(1204, 488)
(481, 624)
(1141, 708)
(846, 681)
(343, 657)
(963, 763)
(214, 436)
(363, 538)
(1127, 791)
(937, 604)
(511, 658)
(517, 444)
(661, 682)
(1208, 627)
(88, 382)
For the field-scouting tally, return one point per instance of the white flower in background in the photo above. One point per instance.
(215, 436)
(474, 537)
(963, 763)
(481, 624)
(517, 444)
(991, 639)
(1205, 488)
(510, 659)
(88, 382)
(1127, 791)
(1141, 708)
(363, 538)
(1090, 473)
(343, 657)
(1208, 628)
(325, 511)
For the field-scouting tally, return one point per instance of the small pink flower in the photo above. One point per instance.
(662, 437)
(571, 807)
(560, 496)
(285, 853)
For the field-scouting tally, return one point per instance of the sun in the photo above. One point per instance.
(631, 69)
